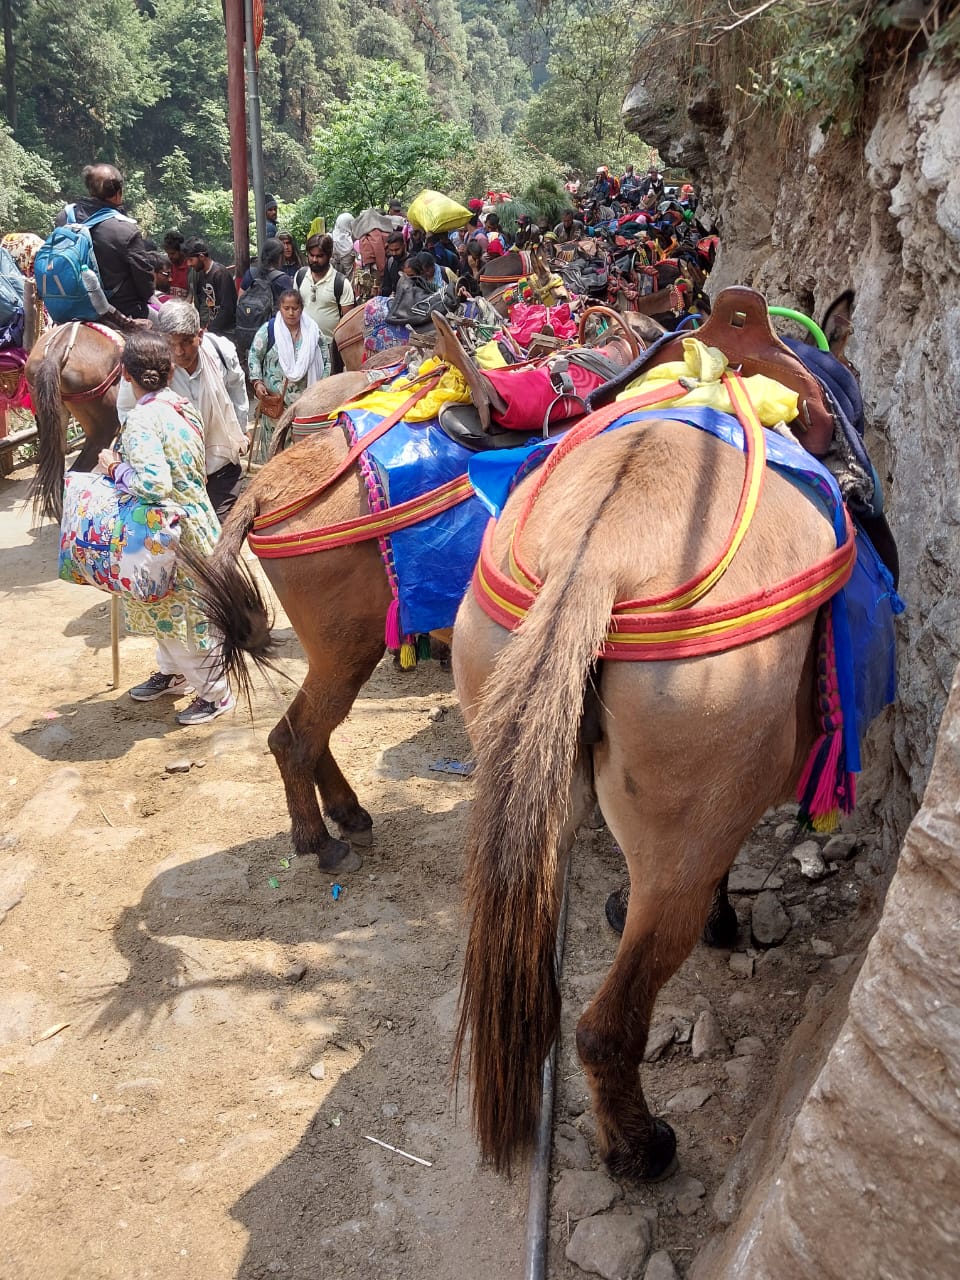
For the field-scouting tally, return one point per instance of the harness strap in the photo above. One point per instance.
(381, 429)
(363, 528)
(639, 631)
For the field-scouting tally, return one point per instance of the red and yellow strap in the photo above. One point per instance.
(363, 528)
(667, 626)
(290, 509)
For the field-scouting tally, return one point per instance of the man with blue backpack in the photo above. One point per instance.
(95, 234)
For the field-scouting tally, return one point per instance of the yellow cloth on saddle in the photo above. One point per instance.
(451, 387)
(705, 366)
(489, 356)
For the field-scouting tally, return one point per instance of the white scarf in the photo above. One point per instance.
(308, 361)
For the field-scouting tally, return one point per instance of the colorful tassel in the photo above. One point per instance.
(408, 655)
(826, 788)
(392, 630)
(423, 648)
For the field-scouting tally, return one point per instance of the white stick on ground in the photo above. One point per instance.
(405, 1154)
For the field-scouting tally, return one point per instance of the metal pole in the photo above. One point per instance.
(256, 134)
(115, 639)
(535, 1266)
(233, 18)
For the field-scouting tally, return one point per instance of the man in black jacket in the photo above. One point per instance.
(126, 271)
(213, 289)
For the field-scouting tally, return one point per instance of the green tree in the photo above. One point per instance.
(28, 188)
(386, 138)
(89, 75)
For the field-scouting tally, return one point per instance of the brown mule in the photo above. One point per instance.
(72, 369)
(683, 757)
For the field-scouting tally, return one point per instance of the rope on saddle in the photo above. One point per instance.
(639, 630)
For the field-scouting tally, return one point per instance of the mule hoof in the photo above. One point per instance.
(721, 930)
(654, 1161)
(339, 856)
(362, 839)
(616, 909)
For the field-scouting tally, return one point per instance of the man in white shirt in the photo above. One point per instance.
(327, 293)
(207, 372)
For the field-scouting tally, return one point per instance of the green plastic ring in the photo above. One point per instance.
(788, 313)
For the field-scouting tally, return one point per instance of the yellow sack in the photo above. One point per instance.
(705, 366)
(318, 227)
(451, 387)
(489, 356)
(433, 211)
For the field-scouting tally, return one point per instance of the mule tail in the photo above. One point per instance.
(233, 600)
(46, 491)
(526, 750)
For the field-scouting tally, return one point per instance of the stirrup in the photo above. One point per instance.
(448, 348)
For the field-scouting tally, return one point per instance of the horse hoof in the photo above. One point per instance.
(361, 839)
(722, 929)
(616, 909)
(339, 856)
(655, 1161)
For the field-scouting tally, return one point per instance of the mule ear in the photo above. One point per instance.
(837, 322)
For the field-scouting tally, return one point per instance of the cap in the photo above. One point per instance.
(475, 205)
(269, 201)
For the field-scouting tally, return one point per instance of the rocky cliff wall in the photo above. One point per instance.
(851, 1146)
(882, 213)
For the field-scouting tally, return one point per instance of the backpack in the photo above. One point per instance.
(339, 280)
(11, 301)
(59, 266)
(255, 306)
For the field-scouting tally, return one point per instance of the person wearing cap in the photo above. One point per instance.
(473, 232)
(601, 189)
(212, 289)
(271, 213)
(688, 197)
(396, 215)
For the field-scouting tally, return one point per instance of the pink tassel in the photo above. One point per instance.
(392, 631)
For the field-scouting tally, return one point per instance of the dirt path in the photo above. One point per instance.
(173, 1127)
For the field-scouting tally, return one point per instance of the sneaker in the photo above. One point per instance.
(157, 686)
(200, 710)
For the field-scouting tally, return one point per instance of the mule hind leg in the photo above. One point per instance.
(300, 743)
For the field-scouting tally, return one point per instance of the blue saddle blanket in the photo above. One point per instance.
(433, 561)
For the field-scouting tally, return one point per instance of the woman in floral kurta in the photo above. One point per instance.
(161, 460)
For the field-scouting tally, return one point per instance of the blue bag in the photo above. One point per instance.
(59, 267)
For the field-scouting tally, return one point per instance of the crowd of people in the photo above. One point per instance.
(207, 351)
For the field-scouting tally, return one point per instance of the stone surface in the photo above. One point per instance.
(748, 1045)
(741, 964)
(810, 860)
(747, 879)
(820, 947)
(687, 1194)
(769, 923)
(582, 1193)
(708, 1040)
(690, 1099)
(840, 848)
(660, 1267)
(570, 1148)
(661, 1034)
(739, 1070)
(614, 1246)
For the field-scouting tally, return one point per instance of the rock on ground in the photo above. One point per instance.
(660, 1267)
(582, 1193)
(613, 1246)
(769, 923)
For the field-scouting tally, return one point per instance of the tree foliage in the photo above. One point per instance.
(386, 138)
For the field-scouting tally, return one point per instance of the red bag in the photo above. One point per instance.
(529, 393)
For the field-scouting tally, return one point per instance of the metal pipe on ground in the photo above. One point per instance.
(538, 1194)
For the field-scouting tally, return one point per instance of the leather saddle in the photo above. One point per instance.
(739, 325)
(461, 422)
